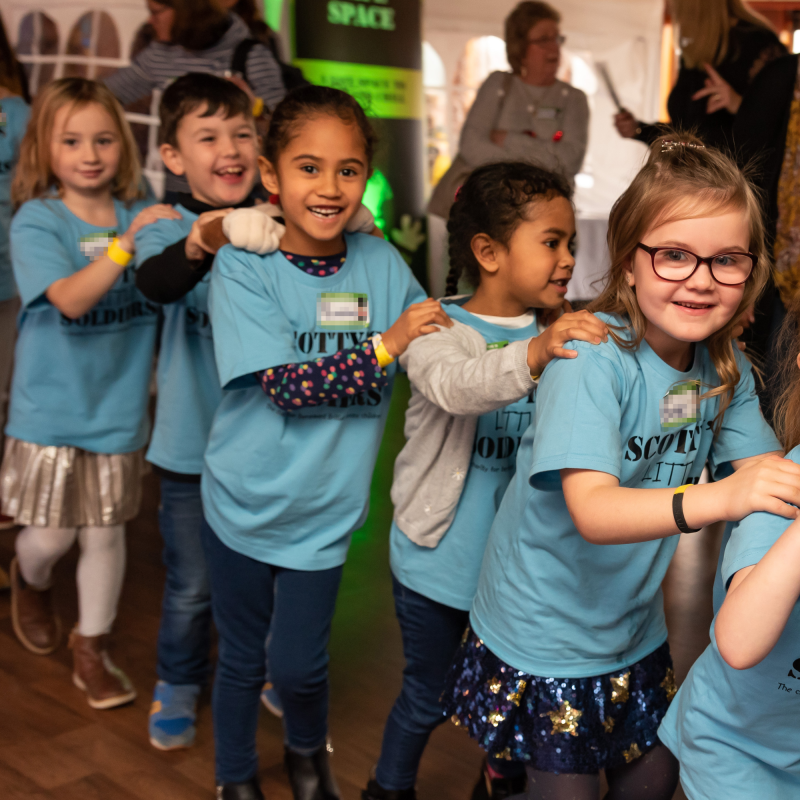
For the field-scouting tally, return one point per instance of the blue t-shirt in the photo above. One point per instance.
(448, 573)
(549, 602)
(188, 385)
(78, 382)
(735, 731)
(14, 114)
(289, 487)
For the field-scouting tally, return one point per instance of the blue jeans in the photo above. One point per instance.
(431, 635)
(253, 601)
(184, 635)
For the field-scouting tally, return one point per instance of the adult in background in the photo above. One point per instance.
(195, 36)
(525, 115)
(724, 45)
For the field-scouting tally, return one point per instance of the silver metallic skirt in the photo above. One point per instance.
(66, 487)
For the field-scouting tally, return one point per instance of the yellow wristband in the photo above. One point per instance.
(118, 255)
(381, 353)
(258, 107)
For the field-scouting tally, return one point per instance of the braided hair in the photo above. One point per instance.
(494, 200)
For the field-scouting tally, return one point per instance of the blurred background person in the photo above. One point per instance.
(724, 45)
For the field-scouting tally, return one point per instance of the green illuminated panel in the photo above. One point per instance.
(384, 92)
(272, 14)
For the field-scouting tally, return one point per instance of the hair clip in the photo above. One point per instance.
(668, 145)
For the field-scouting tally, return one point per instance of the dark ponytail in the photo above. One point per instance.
(494, 200)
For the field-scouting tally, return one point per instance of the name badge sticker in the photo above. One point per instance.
(343, 310)
(546, 113)
(497, 345)
(96, 244)
(680, 405)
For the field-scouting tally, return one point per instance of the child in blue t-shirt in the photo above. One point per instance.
(733, 725)
(78, 416)
(512, 231)
(567, 666)
(293, 443)
(14, 113)
(208, 134)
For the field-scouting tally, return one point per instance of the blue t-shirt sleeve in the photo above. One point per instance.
(251, 332)
(39, 254)
(578, 417)
(752, 538)
(744, 432)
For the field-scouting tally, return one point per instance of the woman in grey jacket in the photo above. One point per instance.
(511, 236)
(529, 115)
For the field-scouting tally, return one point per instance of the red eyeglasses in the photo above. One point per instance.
(676, 265)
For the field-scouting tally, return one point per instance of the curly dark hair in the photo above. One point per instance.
(306, 102)
(494, 200)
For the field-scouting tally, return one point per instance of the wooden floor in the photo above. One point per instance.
(52, 745)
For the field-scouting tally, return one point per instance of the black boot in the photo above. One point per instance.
(310, 776)
(489, 788)
(250, 790)
(375, 791)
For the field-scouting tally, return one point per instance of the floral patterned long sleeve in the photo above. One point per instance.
(314, 383)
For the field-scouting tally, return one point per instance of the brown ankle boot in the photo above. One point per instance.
(33, 615)
(105, 684)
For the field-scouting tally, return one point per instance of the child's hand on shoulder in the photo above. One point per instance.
(206, 235)
(580, 325)
(417, 320)
(147, 216)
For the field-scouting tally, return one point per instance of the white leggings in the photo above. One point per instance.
(101, 568)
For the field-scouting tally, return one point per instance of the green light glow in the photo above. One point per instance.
(378, 197)
(273, 9)
(384, 92)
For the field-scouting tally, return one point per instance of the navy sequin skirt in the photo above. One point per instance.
(561, 725)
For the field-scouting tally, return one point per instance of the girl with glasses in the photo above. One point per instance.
(567, 666)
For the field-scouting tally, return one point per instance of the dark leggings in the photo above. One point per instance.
(654, 776)
(251, 602)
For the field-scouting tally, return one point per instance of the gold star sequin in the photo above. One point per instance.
(516, 697)
(456, 721)
(506, 754)
(565, 720)
(619, 688)
(632, 753)
(495, 685)
(495, 718)
(668, 684)
(608, 724)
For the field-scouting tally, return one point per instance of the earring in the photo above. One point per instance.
(523, 72)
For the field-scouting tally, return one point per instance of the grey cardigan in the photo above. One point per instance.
(454, 380)
(544, 110)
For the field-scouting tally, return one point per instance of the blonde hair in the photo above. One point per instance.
(518, 24)
(34, 175)
(682, 179)
(705, 27)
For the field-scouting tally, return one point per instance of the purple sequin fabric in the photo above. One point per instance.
(560, 725)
